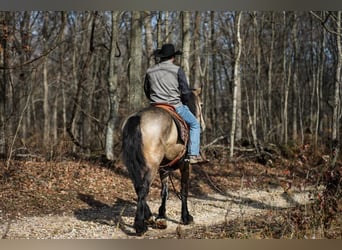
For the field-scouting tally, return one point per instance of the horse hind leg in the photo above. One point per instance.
(160, 222)
(143, 212)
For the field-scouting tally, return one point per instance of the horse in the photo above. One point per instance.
(151, 141)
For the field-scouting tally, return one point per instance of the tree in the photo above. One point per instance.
(148, 38)
(4, 62)
(237, 82)
(135, 90)
(113, 89)
(46, 106)
(338, 82)
(186, 43)
(197, 48)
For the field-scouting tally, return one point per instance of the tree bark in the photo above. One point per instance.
(295, 79)
(237, 82)
(186, 44)
(270, 75)
(148, 38)
(197, 60)
(46, 107)
(135, 90)
(286, 83)
(4, 57)
(113, 89)
(337, 102)
(214, 107)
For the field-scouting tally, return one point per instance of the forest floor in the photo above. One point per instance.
(93, 199)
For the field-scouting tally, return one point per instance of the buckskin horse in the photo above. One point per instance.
(154, 142)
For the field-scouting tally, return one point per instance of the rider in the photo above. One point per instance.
(166, 82)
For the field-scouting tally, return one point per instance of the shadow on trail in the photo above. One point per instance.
(102, 213)
(237, 199)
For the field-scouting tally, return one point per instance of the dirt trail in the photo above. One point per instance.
(115, 222)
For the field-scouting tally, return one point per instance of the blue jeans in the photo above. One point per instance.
(195, 129)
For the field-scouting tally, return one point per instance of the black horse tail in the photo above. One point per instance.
(132, 153)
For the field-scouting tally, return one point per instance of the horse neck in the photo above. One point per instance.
(195, 107)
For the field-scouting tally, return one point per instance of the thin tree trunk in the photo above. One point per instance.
(24, 30)
(258, 99)
(197, 59)
(113, 89)
(237, 82)
(319, 89)
(3, 83)
(213, 93)
(337, 101)
(270, 74)
(60, 84)
(286, 83)
(295, 80)
(186, 43)
(46, 107)
(167, 28)
(159, 29)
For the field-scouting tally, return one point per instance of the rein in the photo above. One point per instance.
(178, 194)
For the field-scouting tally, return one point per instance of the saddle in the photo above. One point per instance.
(182, 128)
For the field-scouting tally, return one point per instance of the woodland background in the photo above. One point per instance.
(68, 79)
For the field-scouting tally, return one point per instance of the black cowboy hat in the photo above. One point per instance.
(167, 50)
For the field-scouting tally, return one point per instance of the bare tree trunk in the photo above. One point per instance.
(46, 107)
(314, 81)
(270, 72)
(237, 82)
(3, 83)
(337, 107)
(167, 31)
(213, 68)
(258, 98)
(113, 89)
(237, 74)
(286, 83)
(197, 60)
(24, 76)
(60, 83)
(159, 29)
(295, 80)
(136, 91)
(186, 43)
(149, 38)
(319, 89)
(337, 102)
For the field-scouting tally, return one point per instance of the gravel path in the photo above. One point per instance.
(115, 222)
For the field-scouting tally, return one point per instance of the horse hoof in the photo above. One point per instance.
(140, 229)
(140, 232)
(160, 224)
(187, 220)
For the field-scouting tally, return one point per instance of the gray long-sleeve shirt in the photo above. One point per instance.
(166, 82)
